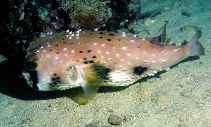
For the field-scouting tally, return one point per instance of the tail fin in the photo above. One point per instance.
(196, 48)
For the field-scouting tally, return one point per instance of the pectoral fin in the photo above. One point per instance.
(93, 82)
(87, 78)
(90, 91)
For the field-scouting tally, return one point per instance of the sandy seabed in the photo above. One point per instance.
(180, 97)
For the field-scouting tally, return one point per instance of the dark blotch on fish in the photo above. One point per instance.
(94, 57)
(102, 71)
(108, 39)
(89, 51)
(139, 70)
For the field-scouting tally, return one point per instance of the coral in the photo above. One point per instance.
(86, 14)
(54, 21)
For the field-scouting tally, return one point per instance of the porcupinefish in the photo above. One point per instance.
(90, 59)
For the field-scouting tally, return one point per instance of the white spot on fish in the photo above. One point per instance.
(134, 35)
(72, 51)
(49, 46)
(107, 52)
(102, 45)
(102, 57)
(123, 35)
(154, 55)
(95, 43)
(78, 31)
(70, 37)
(143, 39)
(38, 51)
(128, 54)
(67, 36)
(64, 49)
(179, 44)
(56, 58)
(137, 58)
(124, 48)
(110, 58)
(77, 37)
(70, 32)
(176, 50)
(132, 41)
(67, 31)
(42, 47)
(66, 55)
(99, 51)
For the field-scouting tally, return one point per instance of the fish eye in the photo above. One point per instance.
(31, 78)
(30, 65)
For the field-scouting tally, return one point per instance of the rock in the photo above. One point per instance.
(186, 13)
(114, 119)
(93, 124)
(149, 21)
(189, 29)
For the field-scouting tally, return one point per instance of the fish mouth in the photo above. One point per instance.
(31, 78)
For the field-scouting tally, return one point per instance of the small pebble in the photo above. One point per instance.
(93, 124)
(186, 13)
(114, 119)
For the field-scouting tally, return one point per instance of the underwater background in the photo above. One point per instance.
(180, 97)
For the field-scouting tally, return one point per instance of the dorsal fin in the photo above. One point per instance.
(160, 37)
